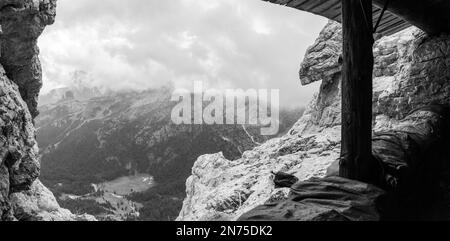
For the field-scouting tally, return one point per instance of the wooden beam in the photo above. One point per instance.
(356, 151)
(432, 16)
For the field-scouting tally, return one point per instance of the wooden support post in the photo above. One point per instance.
(356, 152)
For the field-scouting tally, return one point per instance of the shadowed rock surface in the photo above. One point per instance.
(411, 158)
(323, 199)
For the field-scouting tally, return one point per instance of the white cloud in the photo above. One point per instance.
(146, 43)
(259, 26)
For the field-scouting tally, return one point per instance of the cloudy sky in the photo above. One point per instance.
(141, 44)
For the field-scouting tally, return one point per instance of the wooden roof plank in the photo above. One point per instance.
(331, 9)
(399, 28)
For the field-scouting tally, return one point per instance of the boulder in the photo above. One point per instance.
(39, 204)
(323, 199)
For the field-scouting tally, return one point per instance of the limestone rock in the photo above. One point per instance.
(419, 74)
(21, 196)
(39, 204)
(19, 165)
(322, 63)
(220, 189)
(22, 22)
(322, 60)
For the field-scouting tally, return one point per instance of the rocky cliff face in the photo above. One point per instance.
(19, 162)
(39, 204)
(411, 71)
(21, 196)
(22, 22)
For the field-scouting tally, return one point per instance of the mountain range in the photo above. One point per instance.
(119, 156)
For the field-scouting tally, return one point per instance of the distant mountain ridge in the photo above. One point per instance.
(79, 89)
(87, 141)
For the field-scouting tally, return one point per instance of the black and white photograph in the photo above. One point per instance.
(224, 111)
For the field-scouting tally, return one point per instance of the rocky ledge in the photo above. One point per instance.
(411, 71)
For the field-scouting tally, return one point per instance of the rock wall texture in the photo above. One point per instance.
(411, 71)
(19, 165)
(22, 196)
(39, 204)
(22, 22)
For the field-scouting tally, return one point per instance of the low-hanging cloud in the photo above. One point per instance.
(138, 44)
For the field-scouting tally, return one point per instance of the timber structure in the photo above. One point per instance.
(361, 19)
